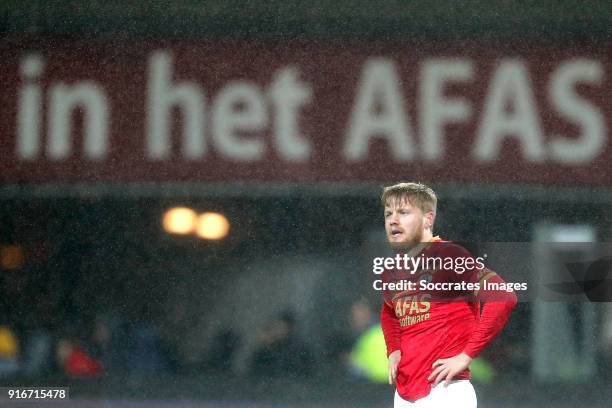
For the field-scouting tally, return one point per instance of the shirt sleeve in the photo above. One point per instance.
(390, 327)
(498, 304)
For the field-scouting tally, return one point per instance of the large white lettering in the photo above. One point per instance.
(589, 118)
(379, 112)
(510, 111)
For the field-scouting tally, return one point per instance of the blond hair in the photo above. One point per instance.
(417, 194)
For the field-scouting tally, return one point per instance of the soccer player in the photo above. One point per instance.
(433, 335)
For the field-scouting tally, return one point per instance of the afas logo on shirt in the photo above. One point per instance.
(412, 305)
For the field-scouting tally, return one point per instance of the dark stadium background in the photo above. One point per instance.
(91, 248)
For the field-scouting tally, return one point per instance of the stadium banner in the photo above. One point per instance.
(295, 111)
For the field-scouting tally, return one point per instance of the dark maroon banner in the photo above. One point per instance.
(305, 111)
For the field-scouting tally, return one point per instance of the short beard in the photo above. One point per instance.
(406, 246)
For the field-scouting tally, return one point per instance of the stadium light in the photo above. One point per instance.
(212, 226)
(11, 257)
(179, 220)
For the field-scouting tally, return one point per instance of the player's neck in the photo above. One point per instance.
(427, 236)
(417, 247)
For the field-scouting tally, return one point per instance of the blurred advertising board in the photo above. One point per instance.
(305, 111)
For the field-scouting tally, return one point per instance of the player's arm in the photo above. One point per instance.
(498, 305)
(391, 330)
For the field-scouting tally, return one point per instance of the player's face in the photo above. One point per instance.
(403, 222)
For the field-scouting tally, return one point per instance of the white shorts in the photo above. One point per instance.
(457, 394)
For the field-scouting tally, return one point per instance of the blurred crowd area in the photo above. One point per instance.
(97, 289)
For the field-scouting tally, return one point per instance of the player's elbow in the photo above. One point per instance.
(511, 301)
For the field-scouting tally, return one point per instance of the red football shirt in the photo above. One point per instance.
(427, 325)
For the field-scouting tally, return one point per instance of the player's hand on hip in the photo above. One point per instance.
(447, 368)
(394, 359)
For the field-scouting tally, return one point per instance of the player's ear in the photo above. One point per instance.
(430, 217)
